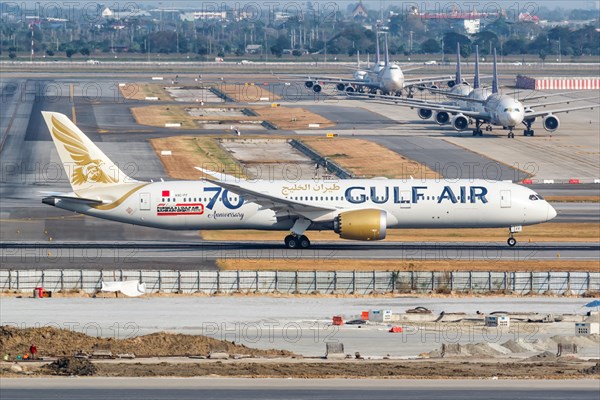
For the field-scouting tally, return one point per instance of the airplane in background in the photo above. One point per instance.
(355, 209)
(384, 77)
(496, 109)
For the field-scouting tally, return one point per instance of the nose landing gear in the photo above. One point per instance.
(511, 233)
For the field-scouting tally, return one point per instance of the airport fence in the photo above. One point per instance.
(307, 282)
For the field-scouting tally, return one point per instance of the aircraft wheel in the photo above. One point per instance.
(304, 243)
(291, 242)
(511, 241)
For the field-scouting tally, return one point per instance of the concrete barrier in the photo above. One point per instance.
(172, 125)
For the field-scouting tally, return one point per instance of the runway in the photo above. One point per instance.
(243, 388)
(203, 255)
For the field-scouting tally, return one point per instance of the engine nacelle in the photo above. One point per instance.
(361, 225)
(309, 84)
(433, 87)
(317, 88)
(451, 84)
(424, 113)
(341, 87)
(442, 117)
(551, 123)
(350, 89)
(460, 122)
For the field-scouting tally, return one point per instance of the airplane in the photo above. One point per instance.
(384, 77)
(355, 209)
(497, 109)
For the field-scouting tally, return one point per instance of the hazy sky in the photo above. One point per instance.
(342, 4)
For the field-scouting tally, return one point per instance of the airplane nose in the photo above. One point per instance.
(551, 213)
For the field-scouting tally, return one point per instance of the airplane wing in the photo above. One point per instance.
(566, 101)
(410, 103)
(421, 81)
(280, 205)
(535, 114)
(546, 95)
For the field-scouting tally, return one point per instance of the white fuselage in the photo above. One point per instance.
(504, 110)
(200, 205)
(391, 79)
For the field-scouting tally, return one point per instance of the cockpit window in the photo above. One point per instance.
(532, 197)
(517, 110)
(539, 197)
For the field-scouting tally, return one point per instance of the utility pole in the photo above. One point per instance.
(411, 41)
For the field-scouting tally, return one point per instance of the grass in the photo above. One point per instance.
(331, 264)
(288, 118)
(548, 232)
(161, 115)
(139, 91)
(368, 159)
(189, 152)
(247, 92)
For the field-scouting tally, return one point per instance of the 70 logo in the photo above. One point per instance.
(224, 193)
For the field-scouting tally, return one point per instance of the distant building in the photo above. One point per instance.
(472, 26)
(203, 15)
(254, 48)
(360, 11)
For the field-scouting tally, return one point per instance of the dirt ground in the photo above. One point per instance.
(358, 155)
(552, 368)
(53, 342)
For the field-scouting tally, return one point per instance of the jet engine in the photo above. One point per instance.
(451, 84)
(341, 87)
(460, 122)
(442, 117)
(350, 89)
(317, 88)
(361, 224)
(309, 84)
(424, 113)
(551, 123)
(433, 87)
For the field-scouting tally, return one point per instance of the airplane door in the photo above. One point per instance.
(505, 199)
(144, 201)
(405, 196)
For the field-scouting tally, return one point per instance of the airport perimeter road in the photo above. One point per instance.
(203, 255)
(223, 389)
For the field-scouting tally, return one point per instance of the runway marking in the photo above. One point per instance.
(41, 219)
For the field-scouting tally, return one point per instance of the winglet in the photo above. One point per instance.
(458, 79)
(495, 79)
(476, 78)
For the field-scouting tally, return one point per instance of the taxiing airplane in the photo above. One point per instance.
(384, 77)
(356, 209)
(495, 109)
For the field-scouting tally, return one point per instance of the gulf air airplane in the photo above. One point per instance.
(356, 209)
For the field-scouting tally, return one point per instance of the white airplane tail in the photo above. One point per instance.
(476, 78)
(85, 164)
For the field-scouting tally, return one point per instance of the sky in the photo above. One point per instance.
(371, 4)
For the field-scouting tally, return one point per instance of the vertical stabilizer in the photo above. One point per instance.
(387, 51)
(476, 78)
(378, 57)
(87, 167)
(495, 78)
(458, 80)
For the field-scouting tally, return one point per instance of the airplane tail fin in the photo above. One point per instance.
(387, 51)
(458, 80)
(495, 78)
(378, 58)
(476, 78)
(85, 164)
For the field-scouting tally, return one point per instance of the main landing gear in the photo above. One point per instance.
(297, 242)
(528, 131)
(477, 131)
